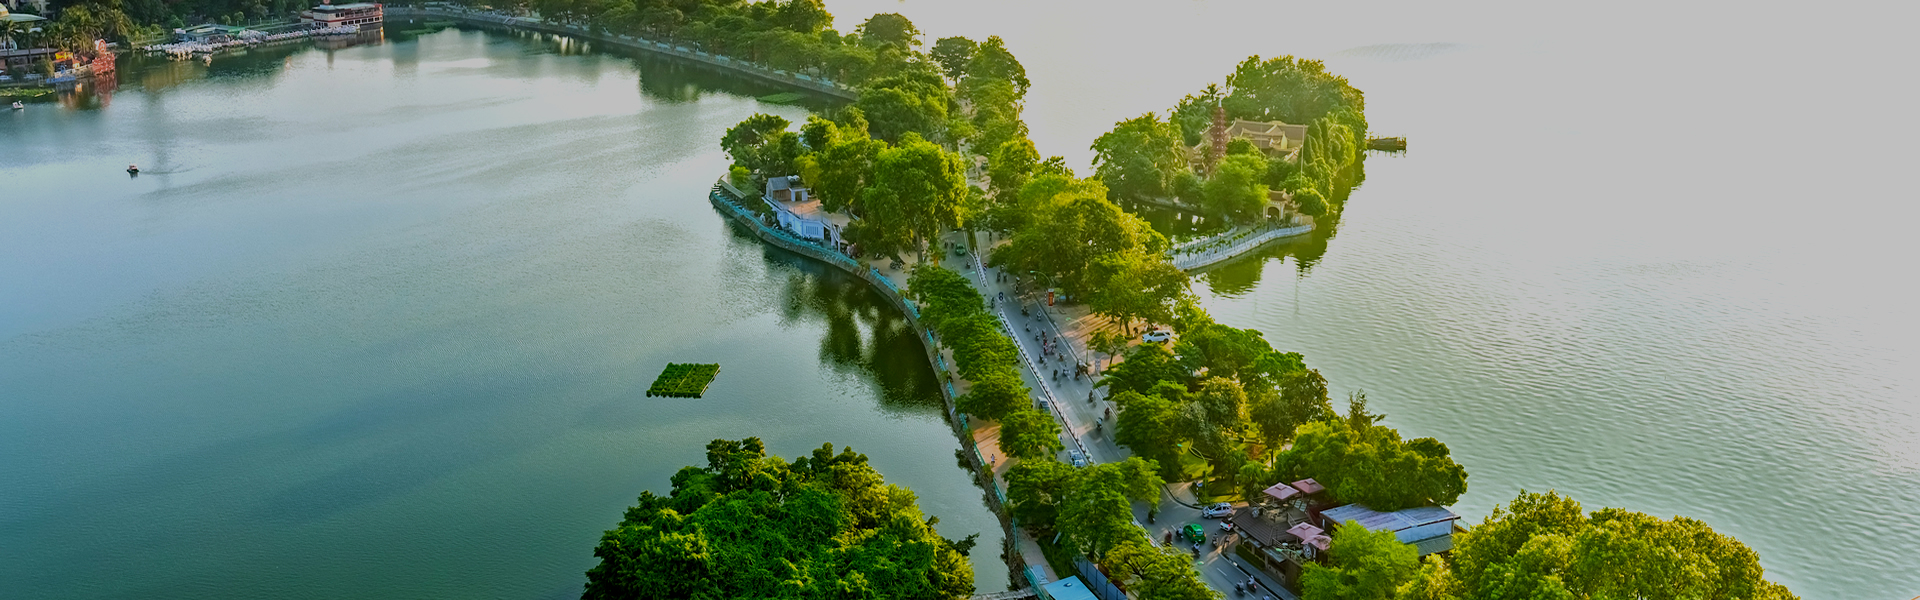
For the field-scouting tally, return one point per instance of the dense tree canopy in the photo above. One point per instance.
(1140, 157)
(1373, 466)
(918, 190)
(1071, 227)
(763, 145)
(1361, 565)
(749, 525)
(954, 54)
(1542, 546)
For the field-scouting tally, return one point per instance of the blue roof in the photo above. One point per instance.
(1375, 520)
(1069, 589)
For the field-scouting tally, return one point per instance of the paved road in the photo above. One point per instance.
(1218, 566)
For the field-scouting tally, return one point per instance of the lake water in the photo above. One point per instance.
(376, 322)
(1654, 255)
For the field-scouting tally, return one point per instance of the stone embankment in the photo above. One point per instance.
(730, 201)
(1203, 253)
(737, 66)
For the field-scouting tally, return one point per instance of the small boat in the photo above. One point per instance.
(133, 170)
(18, 105)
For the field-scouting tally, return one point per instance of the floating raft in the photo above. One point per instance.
(781, 98)
(684, 381)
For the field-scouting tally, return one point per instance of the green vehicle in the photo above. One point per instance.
(1194, 533)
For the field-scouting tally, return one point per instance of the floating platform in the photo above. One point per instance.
(684, 380)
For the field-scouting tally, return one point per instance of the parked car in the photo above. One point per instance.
(1217, 511)
(1157, 335)
(1079, 460)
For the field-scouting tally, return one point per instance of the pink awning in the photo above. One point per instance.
(1281, 491)
(1309, 486)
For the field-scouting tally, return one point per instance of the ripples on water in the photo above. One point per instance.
(377, 323)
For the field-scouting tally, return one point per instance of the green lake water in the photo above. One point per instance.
(377, 322)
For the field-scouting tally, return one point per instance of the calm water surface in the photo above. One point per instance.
(1656, 255)
(377, 323)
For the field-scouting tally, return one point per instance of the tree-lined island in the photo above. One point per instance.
(932, 167)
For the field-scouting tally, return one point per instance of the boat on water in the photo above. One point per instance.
(133, 170)
(18, 105)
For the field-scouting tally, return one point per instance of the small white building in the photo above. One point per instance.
(799, 213)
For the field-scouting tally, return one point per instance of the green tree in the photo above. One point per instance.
(1150, 426)
(1029, 434)
(1157, 573)
(845, 170)
(1237, 190)
(1361, 565)
(1071, 232)
(954, 54)
(991, 60)
(917, 192)
(1145, 367)
(994, 397)
(763, 145)
(749, 525)
(1136, 285)
(1008, 170)
(1098, 512)
(908, 103)
(1541, 546)
(1036, 489)
(1300, 398)
(1140, 157)
(1107, 342)
(890, 29)
(1374, 467)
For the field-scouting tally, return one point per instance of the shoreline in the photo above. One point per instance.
(726, 63)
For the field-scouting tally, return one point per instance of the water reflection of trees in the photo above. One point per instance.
(1242, 274)
(865, 334)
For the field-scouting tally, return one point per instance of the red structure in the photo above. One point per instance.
(1218, 133)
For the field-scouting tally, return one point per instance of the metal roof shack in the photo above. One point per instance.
(1069, 589)
(1411, 526)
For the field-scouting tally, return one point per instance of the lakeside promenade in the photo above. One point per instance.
(736, 66)
(1067, 397)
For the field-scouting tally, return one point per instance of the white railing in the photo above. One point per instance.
(1189, 262)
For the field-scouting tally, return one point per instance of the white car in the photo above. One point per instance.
(1077, 458)
(1157, 335)
(1217, 511)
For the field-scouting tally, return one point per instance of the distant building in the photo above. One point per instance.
(799, 213)
(364, 15)
(1274, 138)
(208, 33)
(1428, 528)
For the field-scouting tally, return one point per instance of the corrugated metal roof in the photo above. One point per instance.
(1375, 520)
(1069, 589)
(1434, 544)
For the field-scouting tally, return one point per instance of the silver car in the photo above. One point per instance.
(1079, 460)
(1217, 511)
